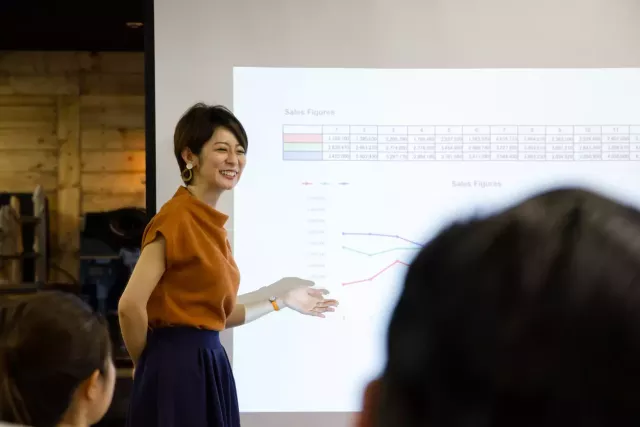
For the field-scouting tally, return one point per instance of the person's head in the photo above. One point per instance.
(210, 145)
(55, 361)
(530, 317)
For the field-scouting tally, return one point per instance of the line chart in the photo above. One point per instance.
(392, 236)
(369, 279)
(414, 245)
(386, 251)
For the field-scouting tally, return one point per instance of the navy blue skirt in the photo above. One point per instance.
(183, 379)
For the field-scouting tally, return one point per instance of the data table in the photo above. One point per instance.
(461, 143)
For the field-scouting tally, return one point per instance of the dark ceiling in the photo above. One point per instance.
(71, 25)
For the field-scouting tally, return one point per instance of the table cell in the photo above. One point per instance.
(560, 157)
(448, 130)
(583, 148)
(449, 148)
(392, 148)
(618, 130)
(634, 129)
(422, 156)
(587, 130)
(634, 147)
(476, 130)
(588, 156)
(364, 147)
(532, 139)
(504, 156)
(555, 139)
(634, 156)
(616, 156)
(635, 139)
(418, 148)
(336, 138)
(474, 148)
(392, 130)
(586, 139)
(559, 130)
(449, 156)
(421, 130)
(301, 129)
(532, 130)
(336, 147)
(393, 156)
(470, 139)
(504, 147)
(364, 138)
(336, 156)
(302, 147)
(392, 138)
(533, 156)
(615, 138)
(504, 130)
(477, 156)
(364, 130)
(441, 139)
(532, 147)
(364, 156)
(421, 139)
(302, 137)
(504, 138)
(302, 155)
(335, 129)
(616, 147)
(555, 148)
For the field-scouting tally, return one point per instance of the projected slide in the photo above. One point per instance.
(350, 172)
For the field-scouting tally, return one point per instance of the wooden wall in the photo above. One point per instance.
(74, 123)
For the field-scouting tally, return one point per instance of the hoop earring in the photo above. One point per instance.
(189, 173)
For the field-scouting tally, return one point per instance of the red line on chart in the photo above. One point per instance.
(370, 279)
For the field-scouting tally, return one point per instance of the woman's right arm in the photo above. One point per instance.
(132, 307)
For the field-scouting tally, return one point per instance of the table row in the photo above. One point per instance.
(461, 156)
(410, 148)
(293, 131)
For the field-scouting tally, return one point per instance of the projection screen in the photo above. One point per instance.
(372, 123)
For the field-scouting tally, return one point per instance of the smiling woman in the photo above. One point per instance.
(183, 290)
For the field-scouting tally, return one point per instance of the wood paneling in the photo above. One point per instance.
(69, 191)
(113, 161)
(73, 122)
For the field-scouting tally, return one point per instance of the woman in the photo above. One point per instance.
(55, 362)
(183, 289)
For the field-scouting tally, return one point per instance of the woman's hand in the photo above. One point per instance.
(309, 301)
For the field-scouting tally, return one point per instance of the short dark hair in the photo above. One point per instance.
(50, 342)
(530, 317)
(197, 125)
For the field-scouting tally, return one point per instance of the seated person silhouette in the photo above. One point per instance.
(55, 362)
(529, 317)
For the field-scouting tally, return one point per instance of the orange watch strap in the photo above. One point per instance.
(275, 305)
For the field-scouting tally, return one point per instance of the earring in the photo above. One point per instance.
(188, 173)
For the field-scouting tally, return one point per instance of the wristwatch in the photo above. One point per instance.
(274, 303)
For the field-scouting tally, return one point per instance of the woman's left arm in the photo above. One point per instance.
(304, 300)
(247, 313)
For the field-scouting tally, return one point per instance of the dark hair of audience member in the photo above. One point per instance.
(530, 317)
(50, 343)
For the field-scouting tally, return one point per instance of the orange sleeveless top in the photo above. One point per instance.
(201, 279)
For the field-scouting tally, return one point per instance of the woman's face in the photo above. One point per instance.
(221, 161)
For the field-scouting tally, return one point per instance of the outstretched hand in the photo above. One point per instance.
(309, 301)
